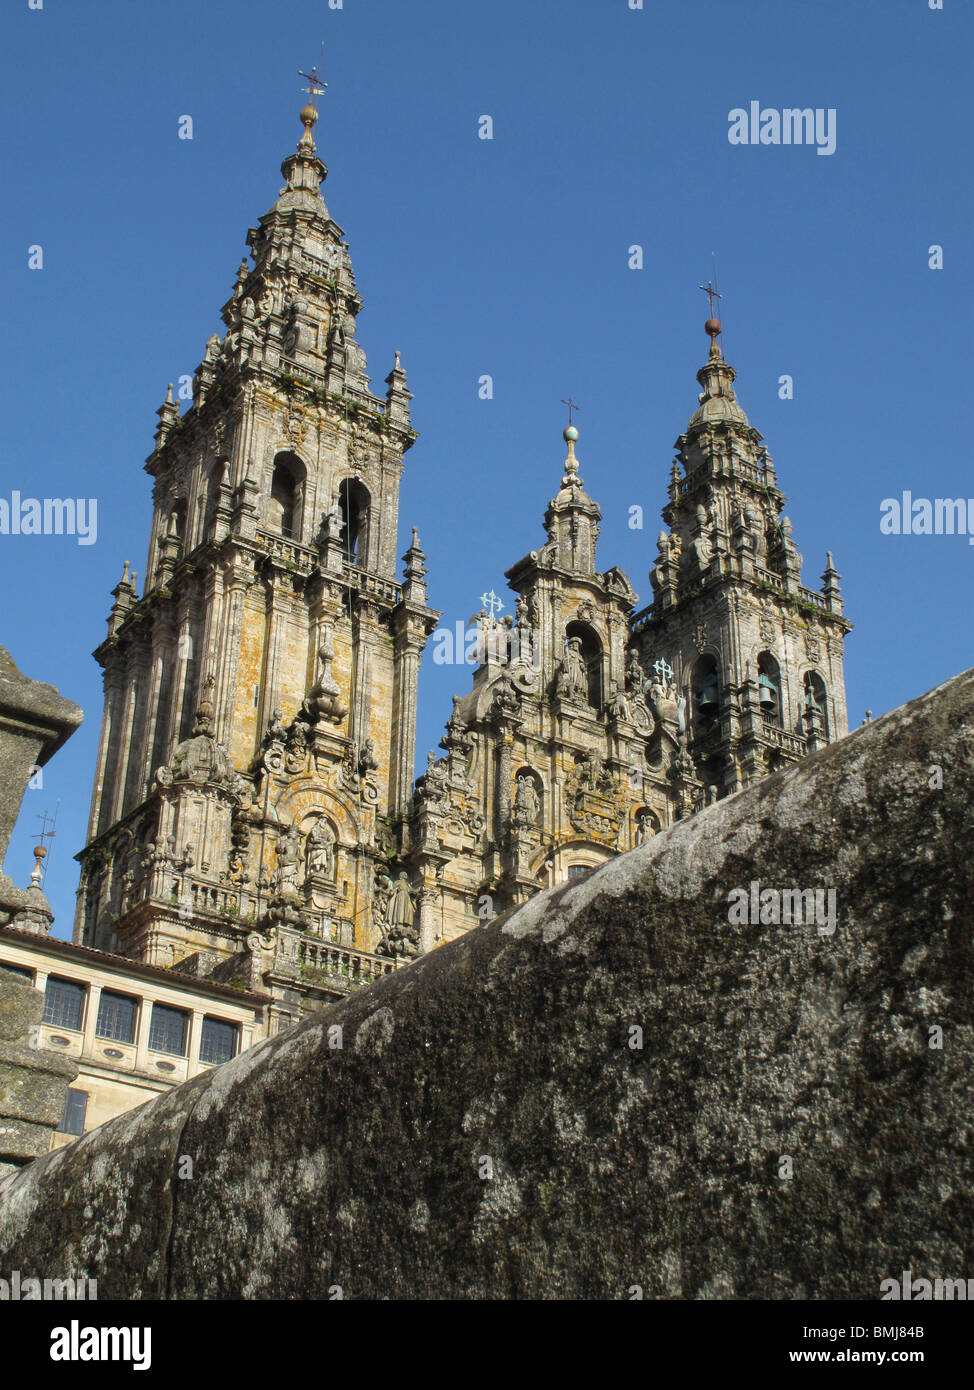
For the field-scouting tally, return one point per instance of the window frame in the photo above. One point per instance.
(71, 1102)
(155, 1046)
(58, 1022)
(223, 1023)
(114, 995)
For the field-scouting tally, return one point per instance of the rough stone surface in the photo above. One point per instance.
(34, 722)
(33, 1081)
(364, 1166)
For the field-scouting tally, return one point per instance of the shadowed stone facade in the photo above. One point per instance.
(35, 721)
(598, 1090)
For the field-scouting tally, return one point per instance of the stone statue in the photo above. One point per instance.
(570, 680)
(319, 850)
(527, 807)
(399, 909)
(645, 830)
(276, 732)
(367, 761)
(634, 671)
(288, 853)
(619, 703)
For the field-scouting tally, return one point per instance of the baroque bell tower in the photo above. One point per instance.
(755, 657)
(257, 743)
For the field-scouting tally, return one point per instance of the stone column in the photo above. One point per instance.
(91, 1018)
(409, 646)
(429, 898)
(195, 1038)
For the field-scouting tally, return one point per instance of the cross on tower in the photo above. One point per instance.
(664, 671)
(46, 834)
(571, 406)
(711, 293)
(316, 87)
(492, 603)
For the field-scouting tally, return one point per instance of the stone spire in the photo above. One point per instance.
(303, 171)
(572, 519)
(717, 399)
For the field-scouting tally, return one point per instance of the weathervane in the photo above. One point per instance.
(40, 850)
(316, 87)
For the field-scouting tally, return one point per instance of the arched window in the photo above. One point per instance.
(769, 684)
(283, 507)
(280, 512)
(591, 658)
(816, 698)
(355, 503)
(211, 498)
(705, 692)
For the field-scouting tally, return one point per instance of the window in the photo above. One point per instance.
(116, 1017)
(579, 870)
(75, 1109)
(705, 686)
(64, 1004)
(167, 1031)
(219, 1041)
(816, 698)
(18, 970)
(281, 509)
(769, 687)
(354, 501)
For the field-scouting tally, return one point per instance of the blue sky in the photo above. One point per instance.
(505, 257)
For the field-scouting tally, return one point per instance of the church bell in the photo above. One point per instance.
(707, 695)
(769, 692)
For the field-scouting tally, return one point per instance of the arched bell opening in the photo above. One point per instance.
(355, 506)
(769, 689)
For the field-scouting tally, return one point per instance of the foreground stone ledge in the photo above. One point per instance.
(360, 1167)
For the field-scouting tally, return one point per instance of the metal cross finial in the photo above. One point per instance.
(571, 406)
(711, 292)
(664, 671)
(491, 602)
(46, 834)
(317, 87)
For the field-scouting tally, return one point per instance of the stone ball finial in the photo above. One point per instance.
(308, 115)
(570, 434)
(712, 328)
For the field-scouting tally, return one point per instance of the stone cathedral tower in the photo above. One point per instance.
(756, 656)
(590, 727)
(257, 744)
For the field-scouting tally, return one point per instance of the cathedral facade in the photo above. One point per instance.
(590, 726)
(254, 818)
